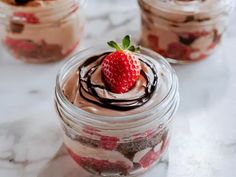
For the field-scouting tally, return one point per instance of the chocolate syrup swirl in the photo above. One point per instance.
(87, 86)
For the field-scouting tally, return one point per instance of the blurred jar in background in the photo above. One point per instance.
(38, 31)
(184, 30)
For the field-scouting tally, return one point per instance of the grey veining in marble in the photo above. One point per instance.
(204, 133)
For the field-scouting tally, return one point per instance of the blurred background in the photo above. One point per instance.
(204, 135)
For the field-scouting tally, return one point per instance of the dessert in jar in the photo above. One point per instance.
(116, 108)
(184, 30)
(40, 31)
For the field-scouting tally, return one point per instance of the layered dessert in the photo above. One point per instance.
(112, 86)
(110, 156)
(184, 31)
(40, 31)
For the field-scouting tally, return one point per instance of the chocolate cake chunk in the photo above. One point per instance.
(217, 37)
(189, 18)
(16, 27)
(187, 39)
(21, 2)
(131, 148)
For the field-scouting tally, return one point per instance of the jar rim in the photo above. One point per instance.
(193, 7)
(74, 110)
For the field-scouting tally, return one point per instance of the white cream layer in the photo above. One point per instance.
(96, 153)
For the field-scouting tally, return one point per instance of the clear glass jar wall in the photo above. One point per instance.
(114, 145)
(41, 31)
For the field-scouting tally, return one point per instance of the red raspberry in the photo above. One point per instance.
(109, 143)
(11, 42)
(121, 68)
(20, 45)
(28, 17)
(27, 46)
(179, 51)
(153, 41)
(149, 158)
(162, 52)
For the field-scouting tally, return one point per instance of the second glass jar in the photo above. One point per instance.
(184, 31)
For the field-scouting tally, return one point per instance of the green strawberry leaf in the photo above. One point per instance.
(126, 45)
(126, 42)
(131, 48)
(114, 45)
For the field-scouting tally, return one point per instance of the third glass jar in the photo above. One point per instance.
(41, 31)
(184, 31)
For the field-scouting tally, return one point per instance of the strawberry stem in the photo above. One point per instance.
(126, 45)
(126, 42)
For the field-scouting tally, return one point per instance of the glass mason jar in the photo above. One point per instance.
(41, 31)
(184, 31)
(116, 143)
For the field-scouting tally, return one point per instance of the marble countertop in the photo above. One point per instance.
(204, 134)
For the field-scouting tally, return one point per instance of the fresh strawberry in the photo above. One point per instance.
(109, 143)
(121, 69)
(27, 17)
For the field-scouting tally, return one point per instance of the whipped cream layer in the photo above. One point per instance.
(150, 89)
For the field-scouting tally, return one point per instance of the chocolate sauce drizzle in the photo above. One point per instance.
(86, 85)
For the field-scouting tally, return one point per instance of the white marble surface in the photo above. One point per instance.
(204, 135)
